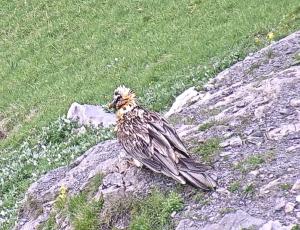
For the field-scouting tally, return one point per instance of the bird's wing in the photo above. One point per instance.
(149, 139)
(161, 125)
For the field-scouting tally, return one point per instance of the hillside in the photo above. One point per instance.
(245, 122)
(53, 53)
(57, 52)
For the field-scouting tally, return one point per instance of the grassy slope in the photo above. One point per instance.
(53, 53)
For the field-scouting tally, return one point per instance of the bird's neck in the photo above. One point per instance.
(125, 108)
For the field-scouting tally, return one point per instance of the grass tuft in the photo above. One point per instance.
(208, 149)
(200, 198)
(49, 224)
(154, 211)
(249, 189)
(234, 187)
(296, 227)
(84, 214)
(251, 163)
(94, 184)
(206, 126)
(286, 186)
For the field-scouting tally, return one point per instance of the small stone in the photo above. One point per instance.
(295, 102)
(235, 123)
(255, 140)
(211, 218)
(296, 186)
(280, 203)
(215, 195)
(82, 130)
(298, 215)
(241, 104)
(283, 130)
(188, 96)
(224, 154)
(275, 225)
(254, 173)
(122, 166)
(173, 214)
(248, 131)
(227, 135)
(234, 142)
(293, 148)
(298, 198)
(208, 87)
(266, 189)
(235, 220)
(289, 207)
(284, 111)
(223, 191)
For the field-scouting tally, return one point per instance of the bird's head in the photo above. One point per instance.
(123, 98)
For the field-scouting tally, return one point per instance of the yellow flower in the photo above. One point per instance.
(62, 192)
(270, 36)
(257, 41)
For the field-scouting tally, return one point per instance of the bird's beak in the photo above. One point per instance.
(112, 104)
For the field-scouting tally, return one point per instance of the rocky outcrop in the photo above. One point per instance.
(90, 115)
(251, 112)
(233, 221)
(108, 158)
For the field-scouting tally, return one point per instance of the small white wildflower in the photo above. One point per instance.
(2, 213)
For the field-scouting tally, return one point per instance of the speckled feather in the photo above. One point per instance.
(152, 141)
(148, 138)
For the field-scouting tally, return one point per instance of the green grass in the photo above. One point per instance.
(154, 211)
(234, 187)
(226, 210)
(55, 146)
(49, 224)
(296, 227)
(151, 212)
(208, 149)
(81, 210)
(251, 163)
(286, 186)
(94, 184)
(53, 53)
(249, 190)
(84, 214)
(206, 126)
(200, 198)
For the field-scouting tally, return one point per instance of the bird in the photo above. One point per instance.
(151, 141)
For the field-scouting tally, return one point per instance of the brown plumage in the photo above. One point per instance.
(151, 141)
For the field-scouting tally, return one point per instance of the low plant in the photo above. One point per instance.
(250, 163)
(56, 145)
(234, 187)
(154, 211)
(208, 149)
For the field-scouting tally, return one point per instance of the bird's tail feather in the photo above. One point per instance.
(196, 174)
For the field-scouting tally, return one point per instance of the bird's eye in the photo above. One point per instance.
(116, 93)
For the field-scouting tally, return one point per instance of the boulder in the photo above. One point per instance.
(93, 115)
